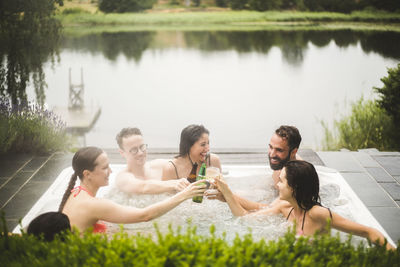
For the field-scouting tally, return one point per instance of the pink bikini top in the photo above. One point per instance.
(98, 227)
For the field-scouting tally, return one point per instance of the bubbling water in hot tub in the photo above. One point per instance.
(251, 183)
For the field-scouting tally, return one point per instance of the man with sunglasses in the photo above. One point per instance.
(141, 176)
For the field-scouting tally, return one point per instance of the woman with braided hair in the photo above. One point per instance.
(84, 210)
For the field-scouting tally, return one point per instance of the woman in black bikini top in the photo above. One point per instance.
(194, 148)
(299, 201)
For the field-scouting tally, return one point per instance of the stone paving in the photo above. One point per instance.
(373, 175)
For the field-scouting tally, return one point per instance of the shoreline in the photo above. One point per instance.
(232, 20)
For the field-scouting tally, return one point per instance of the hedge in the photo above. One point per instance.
(189, 249)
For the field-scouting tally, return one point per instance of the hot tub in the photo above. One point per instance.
(251, 181)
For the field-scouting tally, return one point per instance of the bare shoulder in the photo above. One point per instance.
(168, 165)
(283, 207)
(319, 213)
(168, 171)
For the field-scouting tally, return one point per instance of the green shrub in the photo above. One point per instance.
(390, 101)
(30, 128)
(367, 126)
(189, 249)
(121, 6)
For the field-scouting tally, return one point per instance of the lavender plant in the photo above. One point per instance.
(30, 128)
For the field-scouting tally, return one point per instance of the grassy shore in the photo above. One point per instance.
(83, 16)
(231, 20)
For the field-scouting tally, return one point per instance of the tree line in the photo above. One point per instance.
(344, 6)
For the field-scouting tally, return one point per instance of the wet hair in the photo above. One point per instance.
(126, 132)
(49, 224)
(303, 179)
(190, 135)
(84, 159)
(291, 134)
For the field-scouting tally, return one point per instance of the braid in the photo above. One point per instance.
(71, 185)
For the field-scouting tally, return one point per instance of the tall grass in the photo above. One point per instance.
(30, 128)
(368, 126)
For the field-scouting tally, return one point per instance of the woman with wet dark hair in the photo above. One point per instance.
(299, 201)
(194, 150)
(84, 210)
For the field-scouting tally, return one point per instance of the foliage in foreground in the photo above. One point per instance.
(30, 128)
(189, 249)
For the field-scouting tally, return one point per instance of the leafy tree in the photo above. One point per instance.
(390, 100)
(29, 37)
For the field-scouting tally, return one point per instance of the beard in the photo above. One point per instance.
(280, 164)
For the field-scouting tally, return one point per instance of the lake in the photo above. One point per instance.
(239, 85)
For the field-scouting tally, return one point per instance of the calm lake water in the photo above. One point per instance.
(240, 85)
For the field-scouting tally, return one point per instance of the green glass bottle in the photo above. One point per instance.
(200, 176)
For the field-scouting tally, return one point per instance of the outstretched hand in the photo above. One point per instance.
(221, 187)
(181, 184)
(215, 194)
(194, 189)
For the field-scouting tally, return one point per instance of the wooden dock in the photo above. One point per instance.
(78, 120)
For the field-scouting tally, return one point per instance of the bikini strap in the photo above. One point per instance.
(79, 188)
(290, 212)
(304, 218)
(176, 170)
(330, 213)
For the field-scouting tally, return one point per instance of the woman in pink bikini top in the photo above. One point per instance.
(85, 211)
(299, 201)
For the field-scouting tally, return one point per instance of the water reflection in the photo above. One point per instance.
(25, 46)
(293, 44)
(129, 44)
(145, 72)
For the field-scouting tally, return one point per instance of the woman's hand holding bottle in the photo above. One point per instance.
(194, 189)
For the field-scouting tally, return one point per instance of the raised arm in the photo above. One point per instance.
(109, 211)
(230, 198)
(128, 183)
(342, 224)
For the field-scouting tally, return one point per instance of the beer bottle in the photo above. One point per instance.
(201, 176)
(192, 175)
